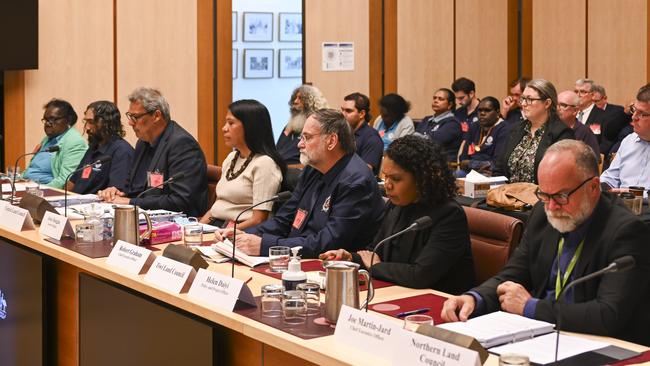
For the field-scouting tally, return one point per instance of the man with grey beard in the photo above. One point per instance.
(573, 231)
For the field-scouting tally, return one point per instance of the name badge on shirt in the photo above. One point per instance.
(85, 174)
(464, 126)
(382, 133)
(155, 179)
(595, 128)
(299, 219)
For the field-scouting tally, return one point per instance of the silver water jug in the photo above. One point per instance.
(126, 224)
(342, 287)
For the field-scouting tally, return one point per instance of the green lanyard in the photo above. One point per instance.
(559, 284)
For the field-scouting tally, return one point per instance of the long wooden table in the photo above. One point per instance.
(244, 341)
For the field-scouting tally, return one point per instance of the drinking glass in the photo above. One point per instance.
(294, 307)
(279, 258)
(193, 232)
(513, 359)
(312, 297)
(412, 322)
(271, 303)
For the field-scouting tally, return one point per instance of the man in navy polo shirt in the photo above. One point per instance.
(466, 101)
(336, 203)
(370, 148)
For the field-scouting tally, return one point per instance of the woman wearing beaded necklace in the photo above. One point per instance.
(252, 172)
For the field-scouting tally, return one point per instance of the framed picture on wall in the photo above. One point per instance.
(235, 59)
(258, 63)
(234, 26)
(290, 27)
(290, 63)
(258, 27)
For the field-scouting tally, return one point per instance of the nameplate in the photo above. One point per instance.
(219, 291)
(169, 274)
(15, 218)
(130, 258)
(366, 331)
(418, 349)
(55, 226)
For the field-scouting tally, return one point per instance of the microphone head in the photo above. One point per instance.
(283, 196)
(623, 263)
(423, 222)
(103, 159)
(54, 148)
(178, 176)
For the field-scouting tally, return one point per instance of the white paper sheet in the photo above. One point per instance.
(541, 350)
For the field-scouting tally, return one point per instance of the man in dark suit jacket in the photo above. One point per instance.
(614, 119)
(163, 150)
(589, 229)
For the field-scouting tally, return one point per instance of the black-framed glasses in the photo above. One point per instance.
(51, 120)
(135, 117)
(559, 198)
(523, 100)
(638, 112)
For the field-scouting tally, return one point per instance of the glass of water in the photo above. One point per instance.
(193, 232)
(312, 297)
(412, 322)
(279, 258)
(271, 302)
(294, 307)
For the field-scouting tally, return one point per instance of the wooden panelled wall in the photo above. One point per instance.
(422, 45)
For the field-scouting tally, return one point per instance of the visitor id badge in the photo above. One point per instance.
(464, 126)
(595, 128)
(85, 174)
(155, 179)
(299, 219)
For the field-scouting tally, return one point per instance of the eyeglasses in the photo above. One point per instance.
(135, 117)
(306, 137)
(559, 198)
(566, 106)
(582, 92)
(638, 112)
(528, 100)
(51, 120)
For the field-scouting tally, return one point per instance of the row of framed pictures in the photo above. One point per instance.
(258, 63)
(258, 27)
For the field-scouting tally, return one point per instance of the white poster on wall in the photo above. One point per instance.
(338, 56)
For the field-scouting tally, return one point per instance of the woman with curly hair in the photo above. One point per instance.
(418, 183)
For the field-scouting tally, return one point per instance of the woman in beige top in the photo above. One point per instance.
(252, 172)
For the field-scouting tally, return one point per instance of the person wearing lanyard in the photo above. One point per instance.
(573, 231)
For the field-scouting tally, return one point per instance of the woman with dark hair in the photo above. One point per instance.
(418, 183)
(393, 122)
(443, 127)
(252, 172)
(105, 138)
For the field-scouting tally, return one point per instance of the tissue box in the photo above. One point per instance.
(162, 232)
(472, 189)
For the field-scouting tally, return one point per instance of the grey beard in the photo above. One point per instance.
(296, 122)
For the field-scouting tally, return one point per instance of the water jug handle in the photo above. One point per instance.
(371, 289)
(147, 233)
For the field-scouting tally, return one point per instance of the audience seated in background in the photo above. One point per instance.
(588, 114)
(510, 109)
(615, 120)
(418, 183)
(393, 122)
(567, 109)
(370, 148)
(163, 150)
(528, 141)
(443, 127)
(52, 169)
(630, 167)
(575, 230)
(105, 138)
(305, 100)
(466, 102)
(336, 203)
(252, 172)
(485, 141)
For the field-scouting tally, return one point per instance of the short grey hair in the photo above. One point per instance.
(581, 82)
(332, 121)
(597, 88)
(151, 99)
(585, 158)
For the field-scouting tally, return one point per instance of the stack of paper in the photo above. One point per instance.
(225, 248)
(541, 350)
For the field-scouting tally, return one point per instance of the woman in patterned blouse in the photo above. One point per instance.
(529, 140)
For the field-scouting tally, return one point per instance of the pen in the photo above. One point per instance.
(248, 280)
(413, 312)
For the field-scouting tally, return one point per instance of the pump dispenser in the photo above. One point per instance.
(294, 274)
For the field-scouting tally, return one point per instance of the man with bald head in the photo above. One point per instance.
(573, 231)
(567, 110)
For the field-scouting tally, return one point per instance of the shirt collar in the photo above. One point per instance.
(336, 169)
(155, 142)
(437, 119)
(364, 125)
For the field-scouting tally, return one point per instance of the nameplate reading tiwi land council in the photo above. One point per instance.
(219, 291)
(130, 258)
(419, 349)
(15, 218)
(55, 226)
(170, 274)
(368, 332)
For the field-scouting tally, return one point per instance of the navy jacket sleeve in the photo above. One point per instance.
(120, 166)
(372, 152)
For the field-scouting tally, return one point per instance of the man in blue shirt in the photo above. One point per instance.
(573, 231)
(466, 101)
(370, 148)
(336, 203)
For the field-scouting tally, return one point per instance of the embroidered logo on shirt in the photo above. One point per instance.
(326, 204)
(489, 140)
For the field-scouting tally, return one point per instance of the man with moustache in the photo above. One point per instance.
(336, 203)
(370, 148)
(164, 149)
(105, 138)
(573, 231)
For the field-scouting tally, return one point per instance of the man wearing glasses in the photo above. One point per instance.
(573, 231)
(631, 166)
(52, 169)
(567, 109)
(164, 149)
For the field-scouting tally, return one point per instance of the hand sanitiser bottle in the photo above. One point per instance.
(294, 275)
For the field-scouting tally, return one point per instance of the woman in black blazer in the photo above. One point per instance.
(418, 183)
(528, 141)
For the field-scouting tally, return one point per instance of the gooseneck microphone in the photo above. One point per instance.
(102, 160)
(280, 197)
(618, 265)
(423, 222)
(54, 148)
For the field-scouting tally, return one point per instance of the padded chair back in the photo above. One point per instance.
(494, 237)
(214, 174)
